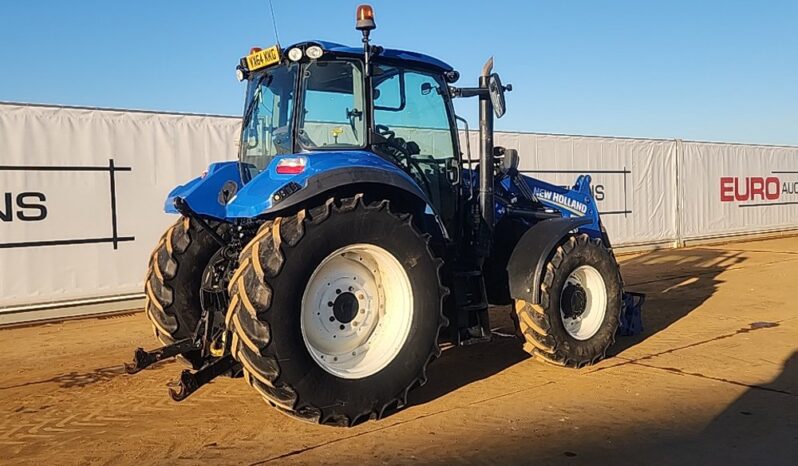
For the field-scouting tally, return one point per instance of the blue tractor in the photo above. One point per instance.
(353, 236)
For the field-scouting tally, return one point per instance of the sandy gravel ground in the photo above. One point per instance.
(713, 380)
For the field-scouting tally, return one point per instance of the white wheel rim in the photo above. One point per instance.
(357, 310)
(588, 322)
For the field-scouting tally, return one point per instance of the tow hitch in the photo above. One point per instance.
(190, 382)
(144, 359)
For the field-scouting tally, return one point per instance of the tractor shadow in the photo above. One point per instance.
(461, 366)
(676, 281)
(760, 427)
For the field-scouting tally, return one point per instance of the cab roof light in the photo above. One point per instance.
(314, 52)
(295, 54)
(241, 73)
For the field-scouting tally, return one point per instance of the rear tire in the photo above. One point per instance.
(172, 285)
(281, 306)
(580, 305)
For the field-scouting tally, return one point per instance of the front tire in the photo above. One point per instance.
(580, 305)
(336, 311)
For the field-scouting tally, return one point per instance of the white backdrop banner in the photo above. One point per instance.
(82, 190)
(729, 189)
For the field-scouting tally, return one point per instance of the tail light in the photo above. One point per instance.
(291, 165)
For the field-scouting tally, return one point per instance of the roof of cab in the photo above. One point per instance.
(395, 54)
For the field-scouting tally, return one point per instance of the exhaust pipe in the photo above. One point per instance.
(486, 203)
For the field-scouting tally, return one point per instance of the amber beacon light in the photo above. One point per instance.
(365, 18)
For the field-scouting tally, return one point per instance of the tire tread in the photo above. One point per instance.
(263, 258)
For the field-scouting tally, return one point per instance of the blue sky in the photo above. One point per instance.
(706, 70)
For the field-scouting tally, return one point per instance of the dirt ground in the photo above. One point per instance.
(712, 380)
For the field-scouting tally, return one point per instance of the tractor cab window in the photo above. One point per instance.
(333, 106)
(411, 112)
(266, 130)
(414, 130)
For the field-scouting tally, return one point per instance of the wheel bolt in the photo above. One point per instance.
(337, 291)
(329, 304)
(342, 326)
(351, 288)
(332, 318)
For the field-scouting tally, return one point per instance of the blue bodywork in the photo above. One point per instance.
(202, 193)
(266, 192)
(261, 195)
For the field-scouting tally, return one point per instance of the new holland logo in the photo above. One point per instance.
(609, 187)
(561, 201)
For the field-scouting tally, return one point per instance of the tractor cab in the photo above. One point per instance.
(316, 98)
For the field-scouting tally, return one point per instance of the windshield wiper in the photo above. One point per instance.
(255, 99)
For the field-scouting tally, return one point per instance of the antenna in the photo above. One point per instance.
(274, 23)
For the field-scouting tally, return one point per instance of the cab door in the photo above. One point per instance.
(414, 124)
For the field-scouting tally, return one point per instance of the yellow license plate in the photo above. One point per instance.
(264, 58)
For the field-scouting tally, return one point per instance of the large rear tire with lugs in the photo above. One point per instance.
(580, 305)
(174, 278)
(336, 311)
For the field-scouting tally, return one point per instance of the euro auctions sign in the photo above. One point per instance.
(769, 189)
(730, 189)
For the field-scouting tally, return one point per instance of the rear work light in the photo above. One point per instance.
(291, 165)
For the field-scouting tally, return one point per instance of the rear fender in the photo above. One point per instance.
(270, 193)
(526, 265)
(208, 194)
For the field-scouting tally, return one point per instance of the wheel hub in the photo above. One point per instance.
(345, 307)
(574, 301)
(583, 302)
(356, 311)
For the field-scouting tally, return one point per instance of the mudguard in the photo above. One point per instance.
(525, 267)
(270, 192)
(208, 194)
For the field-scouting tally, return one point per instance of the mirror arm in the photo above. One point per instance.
(467, 91)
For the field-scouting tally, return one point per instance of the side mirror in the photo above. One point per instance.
(496, 91)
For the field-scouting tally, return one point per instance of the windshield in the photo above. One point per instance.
(267, 126)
